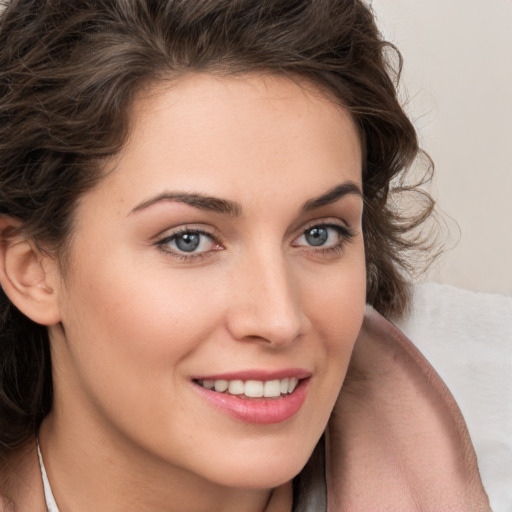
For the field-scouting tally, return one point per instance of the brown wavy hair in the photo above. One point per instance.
(69, 71)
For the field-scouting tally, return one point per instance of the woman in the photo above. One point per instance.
(195, 209)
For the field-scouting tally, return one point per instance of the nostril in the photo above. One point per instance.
(262, 329)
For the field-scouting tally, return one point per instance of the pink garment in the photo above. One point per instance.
(397, 441)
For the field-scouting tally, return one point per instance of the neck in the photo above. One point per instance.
(82, 475)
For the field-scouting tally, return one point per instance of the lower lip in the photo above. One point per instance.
(261, 411)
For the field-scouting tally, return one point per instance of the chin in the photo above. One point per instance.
(253, 480)
(266, 472)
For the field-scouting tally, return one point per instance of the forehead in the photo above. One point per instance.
(213, 132)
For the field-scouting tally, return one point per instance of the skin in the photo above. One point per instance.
(138, 319)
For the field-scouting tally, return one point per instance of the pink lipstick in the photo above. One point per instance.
(256, 396)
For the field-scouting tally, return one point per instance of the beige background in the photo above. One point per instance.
(458, 78)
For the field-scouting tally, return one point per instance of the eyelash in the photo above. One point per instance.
(345, 233)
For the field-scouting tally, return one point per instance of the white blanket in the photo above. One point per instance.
(467, 337)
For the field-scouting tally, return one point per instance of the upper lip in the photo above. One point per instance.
(257, 374)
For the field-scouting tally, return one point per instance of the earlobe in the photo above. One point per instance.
(26, 275)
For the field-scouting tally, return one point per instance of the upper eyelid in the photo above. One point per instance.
(168, 235)
(215, 234)
(185, 228)
(322, 221)
(344, 231)
(325, 221)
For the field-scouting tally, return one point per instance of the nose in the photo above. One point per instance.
(266, 303)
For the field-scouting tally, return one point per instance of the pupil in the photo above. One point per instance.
(187, 242)
(317, 236)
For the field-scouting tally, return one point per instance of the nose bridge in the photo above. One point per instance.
(268, 304)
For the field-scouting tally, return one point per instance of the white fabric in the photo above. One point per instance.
(51, 506)
(467, 337)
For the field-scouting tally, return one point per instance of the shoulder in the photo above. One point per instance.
(396, 434)
(21, 488)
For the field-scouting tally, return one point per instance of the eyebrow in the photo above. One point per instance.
(233, 208)
(333, 195)
(200, 201)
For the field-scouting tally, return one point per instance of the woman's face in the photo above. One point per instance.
(223, 250)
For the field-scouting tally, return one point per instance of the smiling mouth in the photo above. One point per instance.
(252, 388)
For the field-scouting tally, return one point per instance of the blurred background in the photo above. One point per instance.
(457, 81)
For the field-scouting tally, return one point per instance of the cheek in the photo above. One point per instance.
(336, 305)
(127, 336)
(335, 308)
(147, 310)
(338, 311)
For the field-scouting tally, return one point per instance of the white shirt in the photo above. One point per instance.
(51, 506)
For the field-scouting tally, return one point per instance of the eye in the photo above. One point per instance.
(324, 236)
(189, 242)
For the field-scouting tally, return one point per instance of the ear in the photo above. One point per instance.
(28, 275)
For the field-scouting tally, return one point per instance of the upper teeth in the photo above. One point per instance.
(253, 388)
